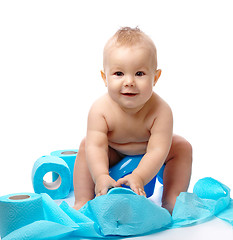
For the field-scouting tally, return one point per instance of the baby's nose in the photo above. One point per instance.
(129, 81)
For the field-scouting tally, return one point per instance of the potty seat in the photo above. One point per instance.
(125, 167)
(160, 174)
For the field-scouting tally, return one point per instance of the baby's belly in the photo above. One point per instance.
(131, 148)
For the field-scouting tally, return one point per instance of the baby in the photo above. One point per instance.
(131, 119)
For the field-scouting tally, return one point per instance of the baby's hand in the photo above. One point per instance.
(134, 181)
(103, 183)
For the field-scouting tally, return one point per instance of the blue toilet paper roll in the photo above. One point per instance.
(18, 210)
(69, 156)
(57, 189)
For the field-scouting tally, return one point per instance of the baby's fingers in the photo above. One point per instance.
(142, 192)
(139, 191)
(102, 192)
(121, 181)
(136, 190)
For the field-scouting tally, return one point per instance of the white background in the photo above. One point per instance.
(50, 62)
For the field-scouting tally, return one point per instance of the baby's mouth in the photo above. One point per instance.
(129, 94)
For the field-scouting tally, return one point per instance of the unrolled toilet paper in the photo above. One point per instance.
(69, 157)
(57, 189)
(120, 212)
(18, 210)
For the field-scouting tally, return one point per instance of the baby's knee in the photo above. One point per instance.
(82, 146)
(181, 144)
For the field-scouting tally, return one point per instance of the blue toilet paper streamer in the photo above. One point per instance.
(56, 190)
(123, 213)
(209, 198)
(69, 156)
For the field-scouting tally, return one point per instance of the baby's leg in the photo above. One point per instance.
(84, 187)
(83, 183)
(177, 172)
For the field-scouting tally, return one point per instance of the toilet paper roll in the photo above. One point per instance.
(57, 189)
(18, 210)
(69, 157)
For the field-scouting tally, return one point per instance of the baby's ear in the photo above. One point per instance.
(104, 78)
(157, 75)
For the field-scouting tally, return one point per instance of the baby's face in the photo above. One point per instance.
(130, 75)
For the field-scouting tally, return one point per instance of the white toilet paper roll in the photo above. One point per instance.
(18, 210)
(58, 189)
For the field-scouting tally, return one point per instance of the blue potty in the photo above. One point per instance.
(160, 174)
(125, 167)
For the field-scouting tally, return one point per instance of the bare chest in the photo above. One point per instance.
(128, 129)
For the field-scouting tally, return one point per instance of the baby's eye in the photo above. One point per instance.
(139, 74)
(119, 74)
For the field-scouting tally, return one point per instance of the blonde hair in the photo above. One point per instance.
(129, 37)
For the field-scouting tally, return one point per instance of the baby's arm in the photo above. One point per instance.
(157, 150)
(97, 151)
